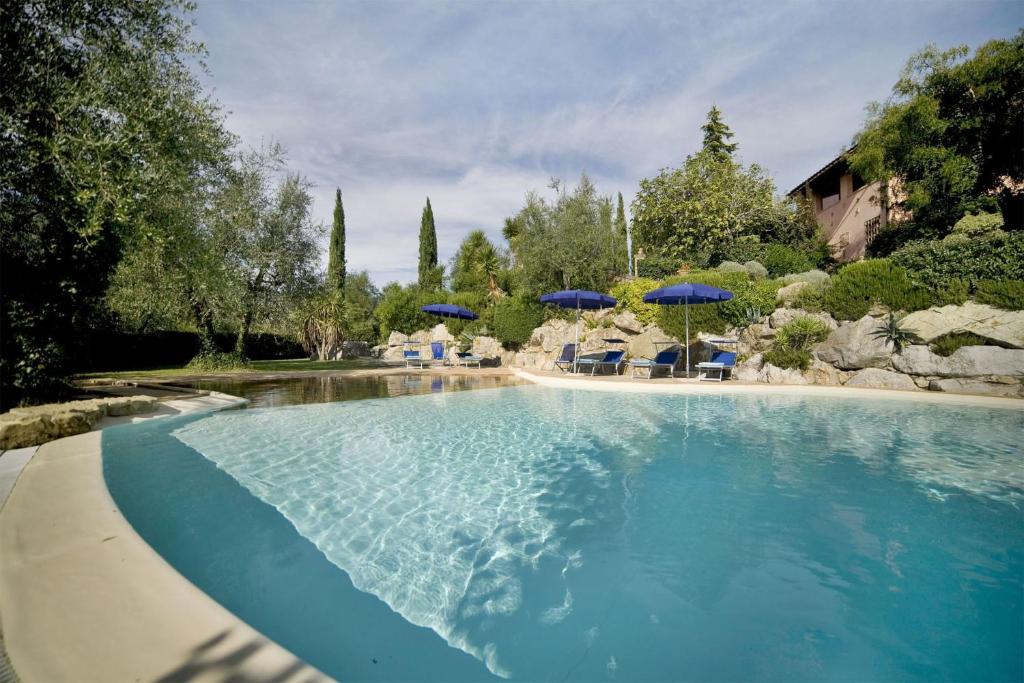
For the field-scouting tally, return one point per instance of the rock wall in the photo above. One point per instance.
(31, 426)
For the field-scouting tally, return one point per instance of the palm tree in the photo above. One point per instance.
(489, 265)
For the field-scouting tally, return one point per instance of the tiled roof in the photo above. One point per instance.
(821, 171)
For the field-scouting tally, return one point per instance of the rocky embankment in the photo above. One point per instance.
(38, 424)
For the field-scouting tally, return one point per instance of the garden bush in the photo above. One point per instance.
(792, 346)
(755, 270)
(973, 226)
(630, 297)
(933, 264)
(731, 267)
(811, 298)
(814, 277)
(947, 345)
(515, 318)
(1005, 294)
(717, 318)
(656, 267)
(218, 361)
(858, 286)
(781, 259)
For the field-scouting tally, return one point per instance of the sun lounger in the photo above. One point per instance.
(412, 357)
(567, 360)
(714, 370)
(665, 359)
(467, 359)
(610, 359)
(437, 353)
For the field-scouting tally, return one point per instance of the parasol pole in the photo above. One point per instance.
(686, 313)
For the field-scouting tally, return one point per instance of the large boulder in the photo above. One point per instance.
(1005, 328)
(852, 346)
(18, 431)
(396, 338)
(440, 333)
(772, 374)
(824, 373)
(487, 347)
(648, 343)
(593, 340)
(393, 353)
(967, 361)
(781, 316)
(960, 385)
(550, 337)
(877, 378)
(787, 295)
(628, 323)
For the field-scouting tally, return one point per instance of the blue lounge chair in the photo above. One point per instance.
(610, 359)
(437, 353)
(413, 357)
(467, 359)
(568, 358)
(665, 359)
(714, 369)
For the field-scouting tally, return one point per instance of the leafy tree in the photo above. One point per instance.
(691, 213)
(103, 124)
(336, 252)
(567, 243)
(428, 271)
(361, 298)
(267, 239)
(717, 135)
(952, 136)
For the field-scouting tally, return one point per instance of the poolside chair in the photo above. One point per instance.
(413, 357)
(466, 358)
(437, 353)
(665, 359)
(714, 369)
(610, 359)
(568, 358)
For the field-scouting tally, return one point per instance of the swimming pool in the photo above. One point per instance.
(546, 534)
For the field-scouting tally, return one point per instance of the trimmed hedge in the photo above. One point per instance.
(515, 318)
(934, 264)
(858, 286)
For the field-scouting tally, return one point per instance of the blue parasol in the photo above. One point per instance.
(686, 293)
(580, 299)
(450, 311)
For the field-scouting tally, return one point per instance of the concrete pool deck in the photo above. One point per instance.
(84, 598)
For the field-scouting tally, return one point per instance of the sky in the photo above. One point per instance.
(476, 103)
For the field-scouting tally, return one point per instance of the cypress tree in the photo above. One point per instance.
(620, 228)
(716, 135)
(428, 248)
(336, 253)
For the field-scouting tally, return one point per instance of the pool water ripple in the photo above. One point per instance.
(558, 534)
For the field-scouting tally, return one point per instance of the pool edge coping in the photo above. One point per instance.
(730, 387)
(77, 579)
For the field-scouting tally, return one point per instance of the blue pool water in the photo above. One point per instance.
(542, 534)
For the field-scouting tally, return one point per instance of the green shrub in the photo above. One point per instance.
(731, 267)
(801, 333)
(1005, 294)
(630, 295)
(515, 318)
(218, 361)
(947, 344)
(781, 259)
(755, 270)
(973, 226)
(811, 298)
(858, 286)
(717, 318)
(815, 277)
(656, 267)
(785, 357)
(933, 264)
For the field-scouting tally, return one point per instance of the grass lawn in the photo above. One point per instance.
(257, 367)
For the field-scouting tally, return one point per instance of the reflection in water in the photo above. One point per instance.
(275, 393)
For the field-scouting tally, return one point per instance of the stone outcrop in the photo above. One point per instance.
(628, 323)
(781, 316)
(824, 373)
(853, 347)
(38, 424)
(1004, 328)
(961, 385)
(967, 361)
(877, 378)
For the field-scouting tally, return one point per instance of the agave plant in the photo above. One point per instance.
(892, 332)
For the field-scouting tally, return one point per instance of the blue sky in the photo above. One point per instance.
(475, 103)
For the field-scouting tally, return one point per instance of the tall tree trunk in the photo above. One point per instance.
(202, 317)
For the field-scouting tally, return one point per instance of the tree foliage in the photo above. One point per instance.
(477, 265)
(429, 274)
(566, 243)
(717, 135)
(952, 133)
(336, 248)
(103, 125)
